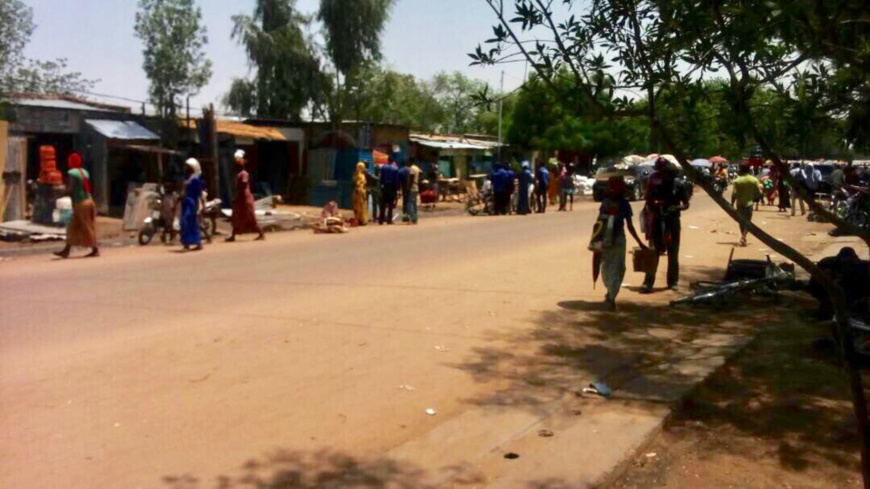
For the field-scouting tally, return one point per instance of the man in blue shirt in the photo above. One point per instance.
(500, 193)
(526, 179)
(389, 192)
(542, 184)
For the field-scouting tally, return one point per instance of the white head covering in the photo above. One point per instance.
(194, 165)
(240, 154)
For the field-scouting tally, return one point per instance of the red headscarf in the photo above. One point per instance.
(75, 162)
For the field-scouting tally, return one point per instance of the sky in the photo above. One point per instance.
(422, 38)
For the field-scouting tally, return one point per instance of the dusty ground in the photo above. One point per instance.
(778, 415)
(314, 358)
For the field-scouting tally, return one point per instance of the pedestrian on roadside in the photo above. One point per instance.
(403, 187)
(414, 173)
(782, 191)
(244, 214)
(526, 180)
(666, 198)
(838, 178)
(800, 175)
(511, 187)
(360, 194)
(373, 180)
(82, 229)
(566, 187)
(542, 184)
(500, 190)
(746, 190)
(191, 205)
(553, 191)
(389, 192)
(613, 216)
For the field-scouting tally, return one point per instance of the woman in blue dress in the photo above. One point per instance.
(190, 206)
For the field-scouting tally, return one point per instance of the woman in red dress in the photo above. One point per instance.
(244, 217)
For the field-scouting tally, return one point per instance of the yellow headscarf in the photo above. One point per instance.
(359, 178)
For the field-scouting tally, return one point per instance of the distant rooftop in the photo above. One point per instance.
(67, 102)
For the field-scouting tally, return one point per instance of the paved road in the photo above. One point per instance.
(284, 359)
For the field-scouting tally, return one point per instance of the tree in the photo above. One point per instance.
(546, 120)
(289, 76)
(382, 95)
(16, 27)
(352, 29)
(18, 74)
(669, 46)
(173, 39)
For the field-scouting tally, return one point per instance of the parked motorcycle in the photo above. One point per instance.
(158, 220)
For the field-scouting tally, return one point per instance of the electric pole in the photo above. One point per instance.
(500, 111)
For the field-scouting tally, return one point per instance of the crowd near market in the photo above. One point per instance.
(381, 191)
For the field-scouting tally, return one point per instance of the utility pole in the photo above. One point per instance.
(500, 111)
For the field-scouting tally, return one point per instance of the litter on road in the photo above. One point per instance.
(407, 388)
(431, 412)
(442, 349)
(598, 388)
(545, 433)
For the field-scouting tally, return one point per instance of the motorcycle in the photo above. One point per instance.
(480, 202)
(157, 220)
(853, 205)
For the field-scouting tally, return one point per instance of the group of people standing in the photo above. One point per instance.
(666, 199)
(549, 184)
(384, 185)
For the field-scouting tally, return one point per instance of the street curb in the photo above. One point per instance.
(608, 479)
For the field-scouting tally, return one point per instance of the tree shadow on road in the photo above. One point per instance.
(650, 354)
(324, 469)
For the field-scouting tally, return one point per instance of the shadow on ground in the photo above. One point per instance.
(303, 470)
(653, 354)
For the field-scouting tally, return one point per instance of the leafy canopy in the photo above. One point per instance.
(174, 61)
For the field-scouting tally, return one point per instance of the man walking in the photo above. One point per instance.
(542, 185)
(389, 192)
(666, 198)
(747, 189)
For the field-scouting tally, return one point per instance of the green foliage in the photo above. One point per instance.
(795, 72)
(445, 104)
(352, 29)
(18, 74)
(173, 39)
(50, 77)
(289, 76)
(16, 27)
(553, 120)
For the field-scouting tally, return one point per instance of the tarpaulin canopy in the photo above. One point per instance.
(126, 130)
(242, 130)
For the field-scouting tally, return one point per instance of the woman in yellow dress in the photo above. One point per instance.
(360, 194)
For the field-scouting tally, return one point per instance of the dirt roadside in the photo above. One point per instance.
(778, 414)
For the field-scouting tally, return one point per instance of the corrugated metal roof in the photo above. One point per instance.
(59, 104)
(127, 130)
(447, 144)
